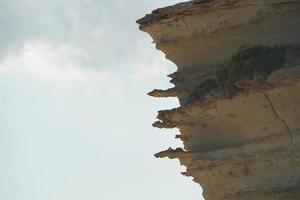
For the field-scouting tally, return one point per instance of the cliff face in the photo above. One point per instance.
(238, 82)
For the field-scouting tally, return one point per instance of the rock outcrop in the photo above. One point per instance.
(238, 82)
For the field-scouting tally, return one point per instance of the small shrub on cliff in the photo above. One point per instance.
(202, 89)
(248, 62)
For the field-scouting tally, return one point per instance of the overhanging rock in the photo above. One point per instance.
(238, 82)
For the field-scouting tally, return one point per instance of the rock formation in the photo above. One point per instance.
(238, 82)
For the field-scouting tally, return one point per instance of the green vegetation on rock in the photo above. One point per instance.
(250, 61)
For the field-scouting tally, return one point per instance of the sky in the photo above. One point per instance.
(75, 120)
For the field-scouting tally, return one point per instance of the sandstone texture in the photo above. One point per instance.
(238, 83)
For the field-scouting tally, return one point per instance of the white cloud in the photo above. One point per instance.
(150, 69)
(148, 62)
(104, 30)
(48, 61)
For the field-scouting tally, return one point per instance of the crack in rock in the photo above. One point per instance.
(289, 132)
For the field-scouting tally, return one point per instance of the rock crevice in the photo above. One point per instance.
(280, 118)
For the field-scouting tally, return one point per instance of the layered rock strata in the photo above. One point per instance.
(238, 82)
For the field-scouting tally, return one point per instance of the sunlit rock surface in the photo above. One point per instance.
(241, 136)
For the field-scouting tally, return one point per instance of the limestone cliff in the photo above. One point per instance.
(238, 82)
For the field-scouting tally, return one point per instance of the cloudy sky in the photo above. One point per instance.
(75, 121)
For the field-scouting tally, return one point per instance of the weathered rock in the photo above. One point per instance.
(239, 118)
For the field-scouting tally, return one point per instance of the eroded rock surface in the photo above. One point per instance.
(238, 82)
